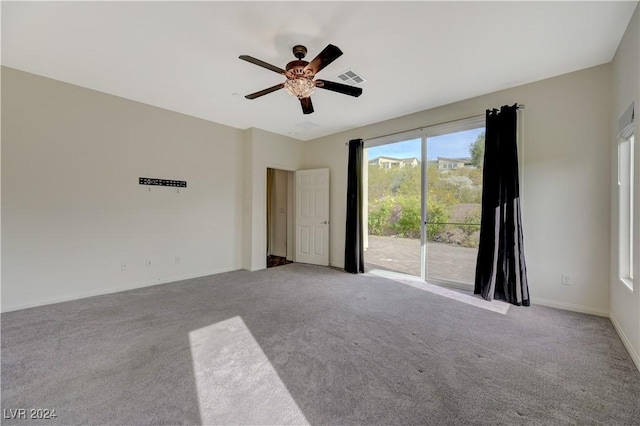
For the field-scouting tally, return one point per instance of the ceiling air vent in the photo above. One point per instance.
(350, 76)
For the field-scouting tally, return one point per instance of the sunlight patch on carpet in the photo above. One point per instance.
(494, 306)
(235, 381)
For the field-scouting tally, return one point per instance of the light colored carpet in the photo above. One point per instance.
(303, 344)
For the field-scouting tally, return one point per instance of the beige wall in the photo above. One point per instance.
(565, 181)
(625, 304)
(72, 207)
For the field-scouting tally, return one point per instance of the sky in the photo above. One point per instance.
(452, 145)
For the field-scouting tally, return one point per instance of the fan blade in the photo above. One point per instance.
(324, 58)
(261, 64)
(307, 106)
(265, 91)
(339, 87)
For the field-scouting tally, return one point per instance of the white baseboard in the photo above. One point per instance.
(110, 291)
(625, 341)
(571, 307)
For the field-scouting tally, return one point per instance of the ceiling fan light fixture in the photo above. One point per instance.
(300, 76)
(300, 87)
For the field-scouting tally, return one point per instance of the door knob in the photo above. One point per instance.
(326, 222)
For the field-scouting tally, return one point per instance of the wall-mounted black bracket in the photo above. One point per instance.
(163, 182)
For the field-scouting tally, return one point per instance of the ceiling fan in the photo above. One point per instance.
(300, 74)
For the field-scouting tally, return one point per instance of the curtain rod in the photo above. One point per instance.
(520, 106)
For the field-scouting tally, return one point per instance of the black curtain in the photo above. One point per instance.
(501, 271)
(353, 247)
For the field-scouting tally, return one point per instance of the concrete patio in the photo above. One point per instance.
(444, 261)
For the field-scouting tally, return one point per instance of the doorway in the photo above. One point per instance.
(279, 217)
(297, 216)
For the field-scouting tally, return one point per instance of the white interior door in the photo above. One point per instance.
(312, 216)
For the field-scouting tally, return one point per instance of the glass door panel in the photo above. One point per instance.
(454, 197)
(393, 205)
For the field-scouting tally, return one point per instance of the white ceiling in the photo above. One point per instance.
(183, 56)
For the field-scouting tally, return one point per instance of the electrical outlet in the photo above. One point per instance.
(148, 263)
(123, 266)
(565, 279)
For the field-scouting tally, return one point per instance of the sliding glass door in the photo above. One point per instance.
(422, 199)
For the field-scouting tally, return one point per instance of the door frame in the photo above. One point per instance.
(289, 252)
(263, 214)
